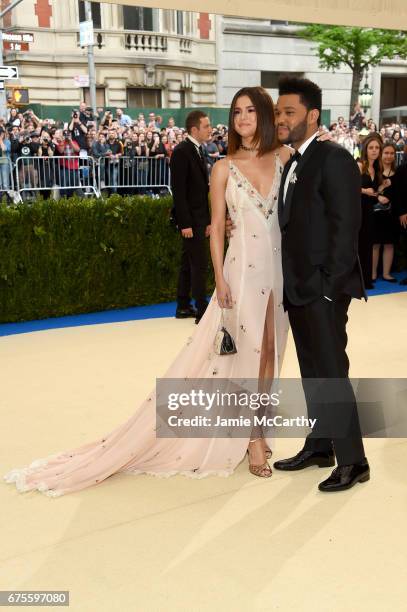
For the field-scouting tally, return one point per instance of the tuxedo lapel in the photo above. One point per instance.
(286, 206)
(281, 192)
(197, 159)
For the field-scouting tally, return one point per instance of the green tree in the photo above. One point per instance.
(357, 48)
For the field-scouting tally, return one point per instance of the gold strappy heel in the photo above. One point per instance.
(263, 470)
(269, 452)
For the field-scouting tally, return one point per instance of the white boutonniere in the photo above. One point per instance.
(293, 178)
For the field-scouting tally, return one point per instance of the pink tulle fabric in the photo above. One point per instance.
(252, 268)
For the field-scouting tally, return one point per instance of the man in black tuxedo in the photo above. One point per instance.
(190, 188)
(320, 214)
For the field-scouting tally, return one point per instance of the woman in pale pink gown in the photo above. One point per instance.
(249, 285)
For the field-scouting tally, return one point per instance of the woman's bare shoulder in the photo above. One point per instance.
(220, 170)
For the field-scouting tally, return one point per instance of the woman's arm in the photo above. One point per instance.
(217, 237)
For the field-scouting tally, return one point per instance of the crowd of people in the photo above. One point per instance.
(132, 154)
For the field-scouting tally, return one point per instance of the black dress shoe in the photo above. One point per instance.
(403, 281)
(390, 280)
(185, 313)
(304, 459)
(199, 315)
(345, 476)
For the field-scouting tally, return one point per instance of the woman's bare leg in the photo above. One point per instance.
(257, 446)
(388, 254)
(375, 260)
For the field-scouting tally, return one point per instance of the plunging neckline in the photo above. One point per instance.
(253, 188)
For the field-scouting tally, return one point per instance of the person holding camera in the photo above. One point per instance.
(78, 130)
(68, 168)
(45, 154)
(107, 119)
(27, 150)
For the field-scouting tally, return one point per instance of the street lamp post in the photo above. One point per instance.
(91, 61)
(366, 96)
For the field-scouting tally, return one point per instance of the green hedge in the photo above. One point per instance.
(82, 255)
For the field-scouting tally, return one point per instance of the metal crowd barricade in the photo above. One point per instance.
(138, 174)
(67, 174)
(6, 176)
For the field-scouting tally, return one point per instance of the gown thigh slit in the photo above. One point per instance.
(267, 362)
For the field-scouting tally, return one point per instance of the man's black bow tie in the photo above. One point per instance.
(295, 157)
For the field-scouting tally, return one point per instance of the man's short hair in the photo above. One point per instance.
(308, 91)
(194, 120)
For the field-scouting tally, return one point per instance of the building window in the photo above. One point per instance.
(138, 97)
(182, 101)
(269, 80)
(100, 96)
(138, 18)
(180, 22)
(393, 91)
(95, 6)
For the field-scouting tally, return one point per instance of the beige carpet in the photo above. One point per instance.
(218, 544)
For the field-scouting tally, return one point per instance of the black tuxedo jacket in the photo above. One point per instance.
(190, 188)
(320, 223)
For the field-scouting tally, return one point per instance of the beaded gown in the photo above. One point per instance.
(252, 268)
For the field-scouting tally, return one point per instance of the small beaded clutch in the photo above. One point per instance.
(224, 343)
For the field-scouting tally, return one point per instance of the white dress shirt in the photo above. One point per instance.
(301, 150)
(196, 143)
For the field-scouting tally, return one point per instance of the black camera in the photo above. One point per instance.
(67, 134)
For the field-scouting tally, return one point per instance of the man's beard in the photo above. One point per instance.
(296, 134)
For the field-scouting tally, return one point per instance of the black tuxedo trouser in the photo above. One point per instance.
(319, 331)
(193, 271)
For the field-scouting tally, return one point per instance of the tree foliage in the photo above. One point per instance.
(357, 48)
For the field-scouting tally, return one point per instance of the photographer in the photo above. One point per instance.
(130, 163)
(31, 121)
(45, 154)
(14, 132)
(27, 150)
(107, 119)
(5, 149)
(69, 167)
(78, 130)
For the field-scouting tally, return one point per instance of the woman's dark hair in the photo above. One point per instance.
(377, 164)
(310, 94)
(391, 145)
(265, 135)
(396, 132)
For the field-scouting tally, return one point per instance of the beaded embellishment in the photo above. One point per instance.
(265, 205)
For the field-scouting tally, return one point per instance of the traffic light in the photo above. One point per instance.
(18, 96)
